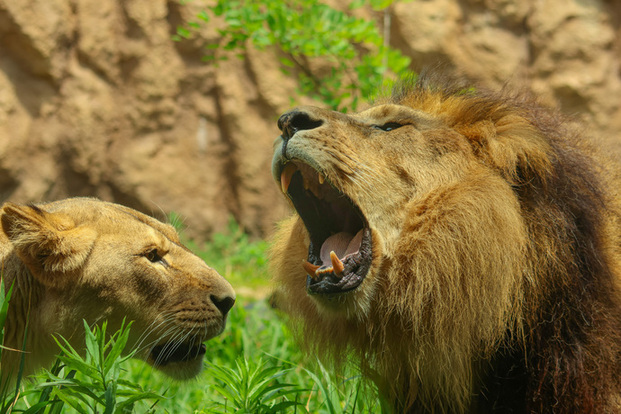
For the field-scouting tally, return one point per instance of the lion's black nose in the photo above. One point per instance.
(224, 305)
(294, 121)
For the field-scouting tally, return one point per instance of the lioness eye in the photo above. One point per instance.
(388, 126)
(153, 256)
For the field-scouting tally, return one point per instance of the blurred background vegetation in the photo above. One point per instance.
(337, 59)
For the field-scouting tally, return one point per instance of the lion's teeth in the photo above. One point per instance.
(310, 268)
(321, 178)
(337, 265)
(285, 176)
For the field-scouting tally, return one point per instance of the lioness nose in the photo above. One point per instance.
(224, 305)
(296, 120)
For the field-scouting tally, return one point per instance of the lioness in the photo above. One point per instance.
(465, 244)
(85, 259)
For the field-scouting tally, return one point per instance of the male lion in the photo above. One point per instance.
(85, 259)
(463, 243)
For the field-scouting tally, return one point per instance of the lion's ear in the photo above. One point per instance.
(513, 146)
(49, 244)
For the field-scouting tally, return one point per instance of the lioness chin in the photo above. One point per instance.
(84, 259)
(465, 245)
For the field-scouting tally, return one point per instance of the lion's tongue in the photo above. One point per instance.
(342, 243)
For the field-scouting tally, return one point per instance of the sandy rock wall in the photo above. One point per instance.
(96, 99)
(568, 52)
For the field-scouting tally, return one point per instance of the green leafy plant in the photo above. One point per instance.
(94, 382)
(254, 388)
(337, 58)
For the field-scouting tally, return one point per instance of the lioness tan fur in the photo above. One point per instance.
(465, 244)
(85, 259)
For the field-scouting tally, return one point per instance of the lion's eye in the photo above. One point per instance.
(153, 256)
(388, 126)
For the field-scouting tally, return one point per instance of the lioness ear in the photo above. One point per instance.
(48, 243)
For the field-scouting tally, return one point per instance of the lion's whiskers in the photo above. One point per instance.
(152, 328)
(162, 319)
(176, 335)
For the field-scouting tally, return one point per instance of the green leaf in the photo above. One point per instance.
(287, 62)
(72, 401)
(92, 348)
(110, 398)
(5, 297)
(203, 16)
(183, 32)
(34, 409)
(119, 341)
(356, 4)
(234, 22)
(80, 365)
(332, 408)
(283, 406)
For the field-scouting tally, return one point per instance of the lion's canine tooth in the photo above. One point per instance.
(310, 268)
(285, 176)
(321, 178)
(337, 265)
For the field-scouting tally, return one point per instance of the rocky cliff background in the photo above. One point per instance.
(97, 100)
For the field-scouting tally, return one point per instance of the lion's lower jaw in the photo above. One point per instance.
(357, 304)
(352, 305)
(181, 370)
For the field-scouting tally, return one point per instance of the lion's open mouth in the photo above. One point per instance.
(340, 250)
(167, 353)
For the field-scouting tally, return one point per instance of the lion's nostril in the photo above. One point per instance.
(295, 121)
(224, 305)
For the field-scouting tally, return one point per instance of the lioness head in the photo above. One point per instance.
(85, 259)
(461, 242)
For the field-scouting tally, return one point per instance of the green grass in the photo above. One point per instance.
(253, 367)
